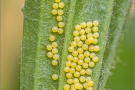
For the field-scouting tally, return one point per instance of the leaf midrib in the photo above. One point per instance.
(69, 28)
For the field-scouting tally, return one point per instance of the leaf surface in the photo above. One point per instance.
(36, 70)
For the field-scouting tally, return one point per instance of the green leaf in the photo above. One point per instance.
(87, 10)
(36, 68)
(115, 29)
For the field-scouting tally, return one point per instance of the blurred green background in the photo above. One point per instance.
(123, 73)
(11, 38)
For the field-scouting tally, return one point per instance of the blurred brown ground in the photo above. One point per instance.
(11, 39)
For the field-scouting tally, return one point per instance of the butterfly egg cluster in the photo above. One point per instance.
(58, 12)
(82, 57)
(53, 51)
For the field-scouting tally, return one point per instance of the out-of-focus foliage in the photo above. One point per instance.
(123, 72)
(11, 34)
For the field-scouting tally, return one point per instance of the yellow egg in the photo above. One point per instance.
(54, 44)
(82, 72)
(91, 48)
(87, 30)
(54, 62)
(72, 70)
(95, 35)
(76, 74)
(80, 62)
(73, 44)
(69, 81)
(49, 47)
(90, 83)
(90, 88)
(56, 56)
(77, 39)
(55, 77)
(78, 86)
(85, 65)
(87, 42)
(95, 41)
(87, 60)
(96, 48)
(75, 80)
(49, 55)
(95, 29)
(81, 86)
(54, 12)
(91, 64)
(89, 24)
(77, 27)
(82, 79)
(74, 53)
(92, 55)
(83, 37)
(61, 5)
(86, 53)
(89, 35)
(55, 5)
(75, 59)
(54, 50)
(88, 79)
(83, 24)
(78, 68)
(71, 49)
(70, 57)
(61, 24)
(69, 75)
(57, 1)
(81, 56)
(96, 23)
(85, 85)
(80, 50)
(82, 31)
(95, 59)
(66, 69)
(59, 18)
(75, 33)
(73, 65)
(55, 29)
(80, 43)
(85, 47)
(52, 38)
(72, 89)
(88, 71)
(60, 12)
(68, 63)
(91, 40)
(66, 87)
(60, 31)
